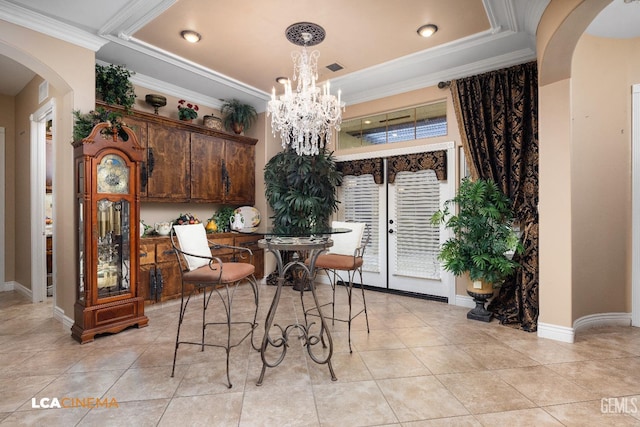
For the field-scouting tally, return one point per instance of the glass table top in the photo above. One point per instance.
(319, 233)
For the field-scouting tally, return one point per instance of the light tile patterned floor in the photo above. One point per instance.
(423, 364)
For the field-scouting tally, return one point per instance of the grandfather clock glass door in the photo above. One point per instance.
(114, 254)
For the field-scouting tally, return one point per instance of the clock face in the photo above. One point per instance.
(113, 175)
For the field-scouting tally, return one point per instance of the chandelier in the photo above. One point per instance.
(305, 117)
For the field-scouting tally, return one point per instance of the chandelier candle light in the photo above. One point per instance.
(306, 117)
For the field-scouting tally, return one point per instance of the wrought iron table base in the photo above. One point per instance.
(310, 338)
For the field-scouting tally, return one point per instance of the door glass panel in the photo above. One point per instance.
(81, 249)
(417, 198)
(361, 204)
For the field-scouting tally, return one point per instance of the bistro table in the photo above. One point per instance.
(311, 244)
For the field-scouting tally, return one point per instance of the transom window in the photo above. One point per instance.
(425, 121)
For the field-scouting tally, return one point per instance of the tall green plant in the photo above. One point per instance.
(113, 85)
(301, 190)
(482, 233)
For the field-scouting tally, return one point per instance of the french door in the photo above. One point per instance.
(402, 250)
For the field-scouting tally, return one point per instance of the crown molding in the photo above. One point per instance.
(187, 65)
(50, 27)
(174, 90)
(136, 15)
(426, 60)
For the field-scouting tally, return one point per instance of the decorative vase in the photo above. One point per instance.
(237, 128)
(155, 101)
(186, 120)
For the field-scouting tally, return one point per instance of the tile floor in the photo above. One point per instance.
(423, 364)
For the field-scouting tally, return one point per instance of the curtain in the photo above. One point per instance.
(497, 113)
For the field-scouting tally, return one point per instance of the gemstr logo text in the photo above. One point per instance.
(619, 405)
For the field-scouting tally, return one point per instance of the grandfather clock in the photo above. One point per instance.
(107, 180)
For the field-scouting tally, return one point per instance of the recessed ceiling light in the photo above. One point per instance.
(282, 80)
(427, 30)
(190, 36)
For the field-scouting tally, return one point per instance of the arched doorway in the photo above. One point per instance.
(567, 300)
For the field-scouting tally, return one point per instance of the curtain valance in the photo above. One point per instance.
(436, 160)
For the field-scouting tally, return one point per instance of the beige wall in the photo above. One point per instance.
(69, 69)
(7, 121)
(601, 82)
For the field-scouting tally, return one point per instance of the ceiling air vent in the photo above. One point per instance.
(335, 67)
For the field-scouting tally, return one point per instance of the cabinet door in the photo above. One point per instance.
(144, 281)
(139, 127)
(207, 177)
(171, 152)
(240, 165)
(171, 280)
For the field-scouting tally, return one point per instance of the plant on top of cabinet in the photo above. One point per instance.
(187, 110)
(238, 116)
(84, 123)
(113, 85)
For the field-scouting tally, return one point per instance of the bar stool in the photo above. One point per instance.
(344, 258)
(208, 274)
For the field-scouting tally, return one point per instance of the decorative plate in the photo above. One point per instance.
(250, 216)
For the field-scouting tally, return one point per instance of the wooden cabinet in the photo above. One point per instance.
(160, 272)
(219, 170)
(184, 162)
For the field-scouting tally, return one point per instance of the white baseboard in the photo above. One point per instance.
(602, 319)
(555, 332)
(15, 286)
(464, 301)
(59, 315)
(566, 334)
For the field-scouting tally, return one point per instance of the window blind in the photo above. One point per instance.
(418, 242)
(360, 200)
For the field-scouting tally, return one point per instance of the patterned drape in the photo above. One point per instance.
(497, 114)
(436, 160)
(363, 167)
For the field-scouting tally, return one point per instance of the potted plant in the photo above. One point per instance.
(238, 116)
(483, 239)
(187, 111)
(113, 86)
(84, 123)
(302, 192)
